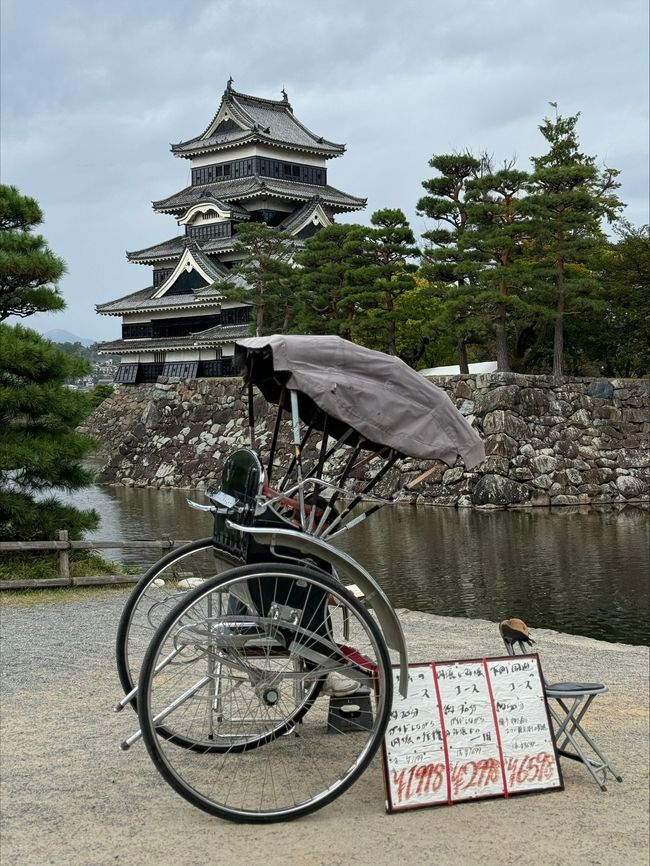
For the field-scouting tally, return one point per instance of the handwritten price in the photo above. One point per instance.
(419, 782)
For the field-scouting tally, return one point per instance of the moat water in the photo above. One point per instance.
(582, 571)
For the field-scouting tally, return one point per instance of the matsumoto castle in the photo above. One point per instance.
(254, 161)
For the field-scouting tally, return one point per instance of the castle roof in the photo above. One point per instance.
(242, 118)
(144, 302)
(240, 189)
(173, 247)
(296, 219)
(215, 336)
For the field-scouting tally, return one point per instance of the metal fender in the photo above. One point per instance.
(374, 596)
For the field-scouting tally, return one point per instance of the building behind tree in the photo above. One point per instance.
(255, 161)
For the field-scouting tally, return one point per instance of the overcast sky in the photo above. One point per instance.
(94, 92)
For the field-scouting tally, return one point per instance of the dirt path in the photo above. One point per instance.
(71, 798)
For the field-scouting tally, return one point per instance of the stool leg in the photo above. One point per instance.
(567, 728)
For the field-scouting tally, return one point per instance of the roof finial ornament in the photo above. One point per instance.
(285, 98)
(229, 83)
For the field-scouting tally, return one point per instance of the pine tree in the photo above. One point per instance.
(447, 262)
(385, 272)
(40, 452)
(28, 269)
(569, 197)
(495, 238)
(325, 263)
(265, 277)
(621, 336)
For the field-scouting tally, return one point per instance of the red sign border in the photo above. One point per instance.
(393, 809)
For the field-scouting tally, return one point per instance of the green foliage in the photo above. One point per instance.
(28, 269)
(568, 199)
(494, 244)
(517, 261)
(89, 353)
(421, 340)
(264, 277)
(448, 263)
(100, 393)
(618, 340)
(382, 272)
(39, 565)
(325, 262)
(40, 451)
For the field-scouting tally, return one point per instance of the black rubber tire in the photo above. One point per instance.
(122, 646)
(134, 599)
(150, 733)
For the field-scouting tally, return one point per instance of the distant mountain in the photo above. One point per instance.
(59, 336)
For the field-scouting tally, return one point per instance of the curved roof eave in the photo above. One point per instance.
(137, 259)
(215, 147)
(145, 307)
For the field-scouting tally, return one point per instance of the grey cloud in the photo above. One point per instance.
(93, 93)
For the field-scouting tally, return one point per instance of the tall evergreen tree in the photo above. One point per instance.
(325, 263)
(385, 272)
(449, 263)
(28, 269)
(569, 198)
(265, 277)
(620, 338)
(40, 452)
(495, 237)
(422, 340)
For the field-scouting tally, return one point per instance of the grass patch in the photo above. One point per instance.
(36, 565)
(15, 597)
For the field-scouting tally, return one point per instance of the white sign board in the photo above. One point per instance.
(468, 730)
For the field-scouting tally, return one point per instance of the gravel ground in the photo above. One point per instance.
(70, 797)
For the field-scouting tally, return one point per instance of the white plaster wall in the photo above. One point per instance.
(263, 150)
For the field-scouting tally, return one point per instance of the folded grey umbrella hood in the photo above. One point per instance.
(378, 395)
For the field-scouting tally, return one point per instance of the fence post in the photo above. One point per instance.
(64, 557)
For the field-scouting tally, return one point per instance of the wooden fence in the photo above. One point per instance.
(64, 546)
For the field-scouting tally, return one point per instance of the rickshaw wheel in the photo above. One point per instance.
(243, 653)
(156, 593)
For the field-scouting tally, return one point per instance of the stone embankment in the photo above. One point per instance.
(572, 442)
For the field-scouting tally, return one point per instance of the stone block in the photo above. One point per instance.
(451, 476)
(580, 418)
(533, 401)
(601, 389)
(501, 421)
(631, 487)
(498, 490)
(502, 397)
(501, 445)
(565, 499)
(566, 448)
(544, 463)
(495, 465)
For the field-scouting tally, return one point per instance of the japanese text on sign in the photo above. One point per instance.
(467, 730)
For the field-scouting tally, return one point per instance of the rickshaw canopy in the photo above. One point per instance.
(383, 399)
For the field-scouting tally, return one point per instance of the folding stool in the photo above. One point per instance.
(568, 704)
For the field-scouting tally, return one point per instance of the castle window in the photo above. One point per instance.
(261, 166)
(126, 374)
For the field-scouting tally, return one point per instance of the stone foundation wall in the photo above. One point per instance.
(547, 443)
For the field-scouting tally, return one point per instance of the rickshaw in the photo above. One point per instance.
(259, 659)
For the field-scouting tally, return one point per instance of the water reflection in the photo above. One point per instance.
(583, 573)
(579, 571)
